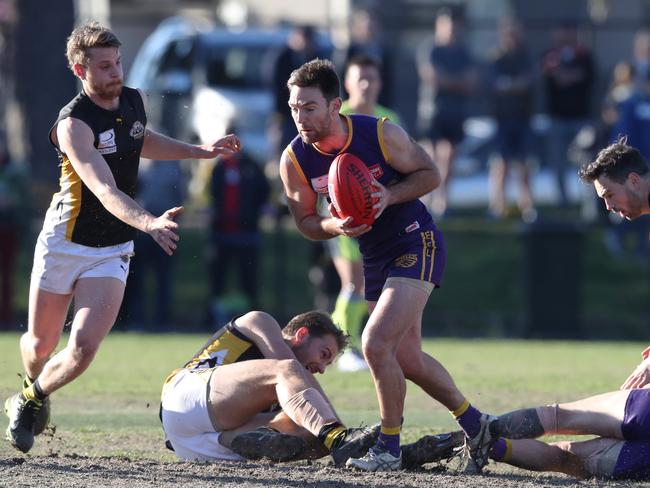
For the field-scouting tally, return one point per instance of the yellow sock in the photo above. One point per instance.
(508, 454)
(30, 394)
(333, 435)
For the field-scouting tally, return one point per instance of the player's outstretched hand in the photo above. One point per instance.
(225, 146)
(163, 230)
(640, 377)
(346, 226)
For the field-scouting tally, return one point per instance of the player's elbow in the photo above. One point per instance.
(103, 192)
(434, 179)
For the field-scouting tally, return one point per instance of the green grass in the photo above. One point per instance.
(112, 409)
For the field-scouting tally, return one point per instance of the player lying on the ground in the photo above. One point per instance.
(220, 405)
(621, 419)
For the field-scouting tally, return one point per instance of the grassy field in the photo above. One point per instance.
(112, 409)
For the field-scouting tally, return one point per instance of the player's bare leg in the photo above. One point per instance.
(393, 348)
(600, 415)
(398, 309)
(582, 459)
(97, 302)
(47, 314)
(426, 372)
(239, 391)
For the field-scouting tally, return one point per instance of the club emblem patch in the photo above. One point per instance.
(137, 131)
(406, 261)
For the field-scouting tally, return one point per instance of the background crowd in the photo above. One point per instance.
(540, 114)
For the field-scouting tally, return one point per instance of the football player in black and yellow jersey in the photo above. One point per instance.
(84, 248)
(219, 405)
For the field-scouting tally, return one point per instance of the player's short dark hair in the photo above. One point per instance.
(319, 324)
(363, 60)
(616, 162)
(85, 37)
(317, 73)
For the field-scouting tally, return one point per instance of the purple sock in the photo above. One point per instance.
(498, 450)
(389, 442)
(470, 422)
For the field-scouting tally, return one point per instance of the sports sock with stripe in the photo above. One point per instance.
(501, 450)
(389, 439)
(469, 419)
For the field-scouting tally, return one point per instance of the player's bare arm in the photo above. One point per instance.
(160, 147)
(75, 140)
(409, 158)
(302, 202)
(266, 333)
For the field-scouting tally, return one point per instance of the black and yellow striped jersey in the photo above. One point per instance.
(226, 346)
(75, 211)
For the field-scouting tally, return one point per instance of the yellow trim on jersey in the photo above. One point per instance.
(296, 164)
(229, 342)
(347, 143)
(69, 175)
(380, 137)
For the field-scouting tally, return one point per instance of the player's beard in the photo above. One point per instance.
(317, 132)
(109, 91)
(634, 205)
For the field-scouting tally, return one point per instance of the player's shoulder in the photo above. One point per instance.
(257, 321)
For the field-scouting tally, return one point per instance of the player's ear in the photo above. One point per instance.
(301, 335)
(335, 104)
(634, 179)
(79, 70)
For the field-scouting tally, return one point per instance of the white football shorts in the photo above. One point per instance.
(185, 418)
(59, 263)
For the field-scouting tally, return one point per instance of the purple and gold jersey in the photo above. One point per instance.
(403, 241)
(365, 141)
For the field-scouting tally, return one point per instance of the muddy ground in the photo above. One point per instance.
(78, 471)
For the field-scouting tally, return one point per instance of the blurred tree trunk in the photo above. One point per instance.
(43, 82)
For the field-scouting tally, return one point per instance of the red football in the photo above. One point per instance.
(350, 188)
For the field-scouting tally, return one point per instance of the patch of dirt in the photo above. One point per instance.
(78, 471)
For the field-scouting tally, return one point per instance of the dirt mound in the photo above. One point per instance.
(77, 471)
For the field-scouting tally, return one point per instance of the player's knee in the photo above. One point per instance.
(376, 350)
(38, 347)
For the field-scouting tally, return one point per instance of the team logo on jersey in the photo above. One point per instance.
(107, 144)
(406, 261)
(376, 171)
(137, 131)
(319, 184)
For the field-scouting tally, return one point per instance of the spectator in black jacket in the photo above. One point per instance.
(239, 190)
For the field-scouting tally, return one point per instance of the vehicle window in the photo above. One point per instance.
(177, 57)
(236, 66)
